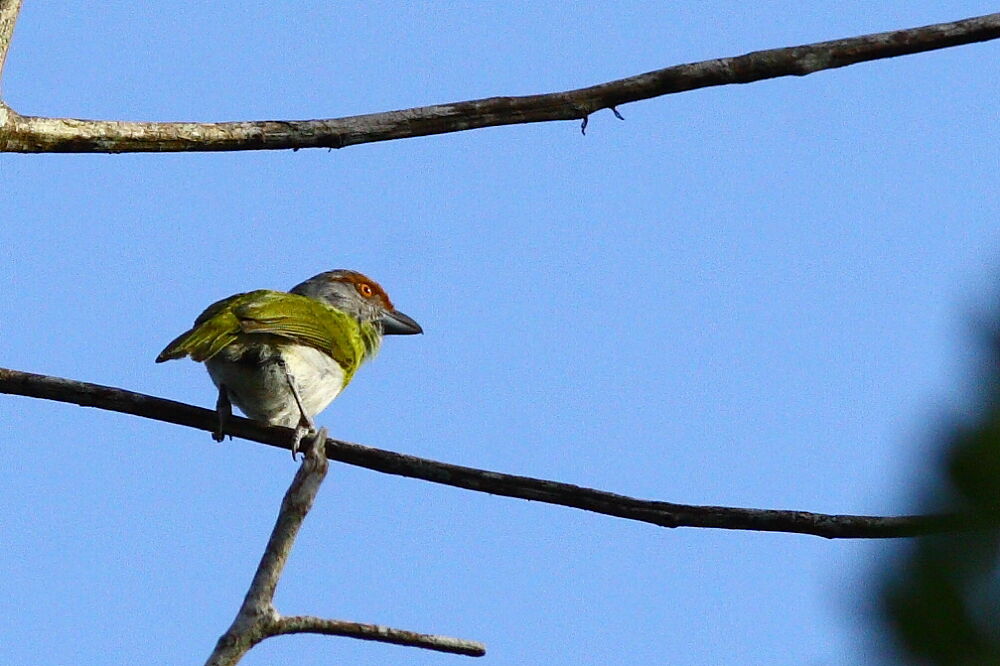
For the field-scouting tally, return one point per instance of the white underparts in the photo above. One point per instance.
(261, 390)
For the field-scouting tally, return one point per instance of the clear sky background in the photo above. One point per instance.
(763, 295)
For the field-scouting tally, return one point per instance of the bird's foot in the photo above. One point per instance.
(300, 432)
(307, 432)
(224, 410)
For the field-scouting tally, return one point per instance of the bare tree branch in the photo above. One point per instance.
(303, 624)
(9, 10)
(28, 134)
(258, 610)
(257, 613)
(664, 514)
(258, 619)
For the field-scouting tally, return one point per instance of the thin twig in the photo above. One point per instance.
(665, 514)
(300, 624)
(27, 134)
(258, 619)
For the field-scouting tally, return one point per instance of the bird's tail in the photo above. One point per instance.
(200, 343)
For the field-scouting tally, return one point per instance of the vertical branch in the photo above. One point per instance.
(8, 17)
(257, 614)
(294, 507)
(258, 619)
(9, 10)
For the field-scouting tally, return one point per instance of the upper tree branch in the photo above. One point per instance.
(665, 514)
(8, 17)
(28, 134)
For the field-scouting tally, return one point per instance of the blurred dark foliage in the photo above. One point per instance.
(942, 599)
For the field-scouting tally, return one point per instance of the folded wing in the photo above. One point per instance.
(296, 318)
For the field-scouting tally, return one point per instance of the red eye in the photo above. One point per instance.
(365, 289)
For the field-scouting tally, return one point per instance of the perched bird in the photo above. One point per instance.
(282, 357)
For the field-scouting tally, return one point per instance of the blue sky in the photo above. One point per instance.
(763, 295)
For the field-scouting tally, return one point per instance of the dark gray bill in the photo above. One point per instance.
(397, 323)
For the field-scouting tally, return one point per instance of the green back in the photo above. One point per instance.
(298, 319)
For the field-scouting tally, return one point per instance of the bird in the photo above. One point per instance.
(282, 357)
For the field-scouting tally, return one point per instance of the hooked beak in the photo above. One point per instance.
(397, 323)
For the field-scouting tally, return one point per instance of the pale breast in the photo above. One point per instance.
(256, 384)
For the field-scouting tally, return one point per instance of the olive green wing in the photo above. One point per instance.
(297, 318)
(308, 322)
(213, 330)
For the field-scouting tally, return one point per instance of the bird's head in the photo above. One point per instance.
(359, 296)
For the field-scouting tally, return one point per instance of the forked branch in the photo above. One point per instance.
(665, 514)
(28, 134)
(258, 619)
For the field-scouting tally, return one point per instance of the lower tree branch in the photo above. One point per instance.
(304, 624)
(27, 134)
(257, 614)
(258, 619)
(664, 514)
